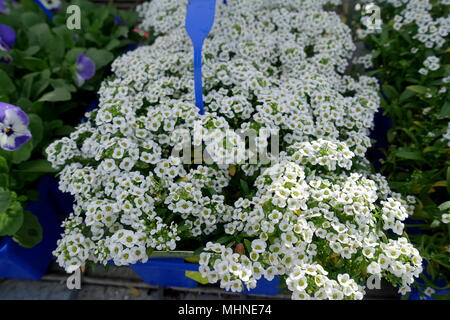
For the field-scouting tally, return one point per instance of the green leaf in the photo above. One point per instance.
(40, 34)
(196, 276)
(100, 57)
(390, 92)
(101, 14)
(34, 64)
(6, 84)
(224, 239)
(30, 234)
(122, 31)
(448, 180)
(41, 84)
(161, 211)
(248, 245)
(405, 153)
(36, 166)
(445, 111)
(30, 18)
(406, 95)
(129, 17)
(418, 89)
(113, 44)
(56, 49)
(32, 50)
(36, 128)
(4, 180)
(54, 124)
(444, 206)
(4, 168)
(435, 224)
(192, 259)
(59, 94)
(61, 83)
(5, 200)
(23, 153)
(244, 186)
(27, 82)
(11, 220)
(64, 130)
(66, 35)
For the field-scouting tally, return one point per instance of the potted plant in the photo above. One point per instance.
(150, 174)
(43, 66)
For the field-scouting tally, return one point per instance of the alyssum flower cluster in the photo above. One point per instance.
(312, 218)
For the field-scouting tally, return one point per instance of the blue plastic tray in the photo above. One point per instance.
(166, 272)
(265, 287)
(22, 263)
(415, 293)
(170, 272)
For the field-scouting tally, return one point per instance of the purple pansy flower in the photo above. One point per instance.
(118, 20)
(7, 37)
(85, 69)
(13, 127)
(4, 8)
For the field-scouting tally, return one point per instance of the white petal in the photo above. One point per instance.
(20, 129)
(79, 81)
(13, 118)
(7, 142)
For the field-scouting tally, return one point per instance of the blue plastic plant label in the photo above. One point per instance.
(199, 21)
(45, 9)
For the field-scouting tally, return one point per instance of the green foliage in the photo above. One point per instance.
(38, 75)
(418, 159)
(196, 276)
(30, 234)
(11, 213)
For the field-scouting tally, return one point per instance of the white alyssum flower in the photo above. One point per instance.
(446, 218)
(135, 194)
(432, 63)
